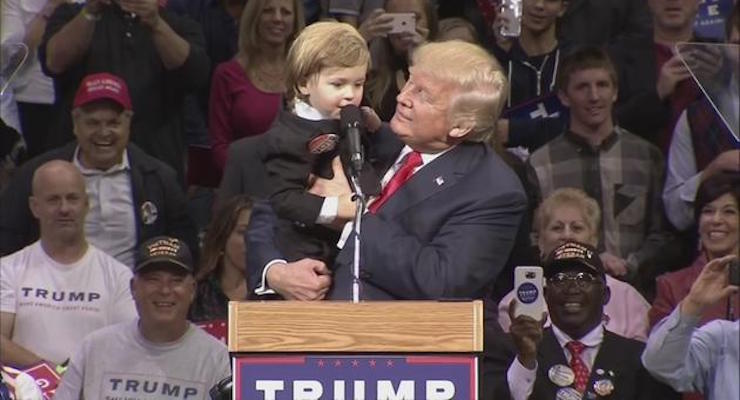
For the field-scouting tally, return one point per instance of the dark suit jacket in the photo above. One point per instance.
(446, 233)
(617, 354)
(244, 172)
(289, 165)
(151, 180)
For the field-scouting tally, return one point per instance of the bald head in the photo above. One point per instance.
(53, 170)
(59, 201)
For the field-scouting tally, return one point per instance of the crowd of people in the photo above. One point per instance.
(596, 144)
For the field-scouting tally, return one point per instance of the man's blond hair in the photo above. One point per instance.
(480, 84)
(324, 45)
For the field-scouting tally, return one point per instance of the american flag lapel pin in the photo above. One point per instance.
(439, 180)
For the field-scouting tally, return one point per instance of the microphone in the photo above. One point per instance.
(350, 119)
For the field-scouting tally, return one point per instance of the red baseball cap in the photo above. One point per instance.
(102, 86)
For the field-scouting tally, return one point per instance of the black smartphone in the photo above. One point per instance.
(735, 272)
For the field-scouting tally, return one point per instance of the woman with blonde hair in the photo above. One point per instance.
(247, 92)
(569, 214)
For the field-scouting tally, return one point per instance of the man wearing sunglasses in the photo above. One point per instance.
(576, 357)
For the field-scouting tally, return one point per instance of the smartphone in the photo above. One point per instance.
(528, 283)
(734, 272)
(511, 13)
(402, 22)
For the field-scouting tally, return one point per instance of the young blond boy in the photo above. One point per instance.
(327, 64)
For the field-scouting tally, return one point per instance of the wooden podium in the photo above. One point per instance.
(349, 338)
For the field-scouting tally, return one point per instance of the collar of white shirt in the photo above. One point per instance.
(591, 339)
(307, 111)
(122, 166)
(426, 158)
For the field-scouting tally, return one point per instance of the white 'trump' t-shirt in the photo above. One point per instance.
(56, 305)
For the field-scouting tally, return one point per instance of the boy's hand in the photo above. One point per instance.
(371, 118)
(338, 186)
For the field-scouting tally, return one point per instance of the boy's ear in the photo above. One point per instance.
(303, 87)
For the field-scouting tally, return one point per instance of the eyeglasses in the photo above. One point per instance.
(581, 279)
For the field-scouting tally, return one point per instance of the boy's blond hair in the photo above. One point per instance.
(323, 45)
(480, 84)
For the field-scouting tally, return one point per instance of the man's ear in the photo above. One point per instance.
(607, 294)
(461, 128)
(193, 292)
(563, 98)
(459, 132)
(76, 119)
(33, 205)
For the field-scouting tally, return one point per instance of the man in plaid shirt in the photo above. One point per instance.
(623, 172)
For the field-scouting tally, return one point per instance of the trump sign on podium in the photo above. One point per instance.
(356, 377)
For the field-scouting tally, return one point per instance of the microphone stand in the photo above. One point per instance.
(356, 225)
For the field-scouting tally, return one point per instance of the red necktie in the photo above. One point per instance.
(403, 174)
(577, 365)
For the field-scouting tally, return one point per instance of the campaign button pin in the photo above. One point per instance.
(599, 371)
(527, 293)
(561, 375)
(149, 213)
(603, 387)
(323, 143)
(567, 393)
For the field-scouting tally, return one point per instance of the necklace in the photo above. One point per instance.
(268, 77)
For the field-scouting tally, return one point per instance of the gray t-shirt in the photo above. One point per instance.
(116, 362)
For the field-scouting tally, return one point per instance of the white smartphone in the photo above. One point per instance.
(403, 22)
(511, 12)
(528, 283)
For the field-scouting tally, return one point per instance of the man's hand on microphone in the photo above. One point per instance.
(146, 10)
(371, 119)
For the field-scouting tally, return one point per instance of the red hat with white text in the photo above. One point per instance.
(102, 86)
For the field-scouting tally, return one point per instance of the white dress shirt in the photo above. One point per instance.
(521, 380)
(110, 224)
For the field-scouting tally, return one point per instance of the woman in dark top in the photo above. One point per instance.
(222, 273)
